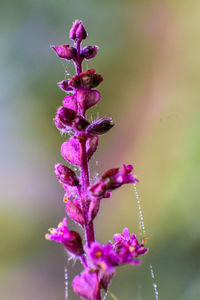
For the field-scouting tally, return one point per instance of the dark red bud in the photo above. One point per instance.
(88, 79)
(73, 242)
(66, 115)
(66, 175)
(65, 51)
(74, 211)
(100, 126)
(89, 52)
(80, 123)
(110, 173)
(93, 209)
(91, 145)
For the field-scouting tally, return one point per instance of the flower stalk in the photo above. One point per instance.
(82, 199)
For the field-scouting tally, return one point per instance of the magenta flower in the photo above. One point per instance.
(82, 196)
(103, 257)
(87, 286)
(111, 180)
(128, 248)
(71, 240)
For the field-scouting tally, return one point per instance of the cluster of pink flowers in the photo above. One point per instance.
(82, 198)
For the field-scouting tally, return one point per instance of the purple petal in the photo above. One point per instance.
(74, 211)
(66, 175)
(70, 102)
(87, 98)
(91, 145)
(86, 285)
(71, 151)
(65, 51)
(71, 192)
(93, 209)
(126, 233)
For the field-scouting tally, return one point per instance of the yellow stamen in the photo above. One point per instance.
(60, 224)
(131, 248)
(47, 237)
(98, 254)
(52, 230)
(66, 199)
(144, 240)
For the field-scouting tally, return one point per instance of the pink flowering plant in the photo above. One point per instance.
(82, 198)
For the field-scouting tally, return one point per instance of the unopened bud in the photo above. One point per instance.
(100, 126)
(87, 79)
(63, 85)
(66, 175)
(70, 239)
(75, 212)
(80, 123)
(77, 31)
(73, 242)
(58, 123)
(65, 51)
(66, 115)
(89, 52)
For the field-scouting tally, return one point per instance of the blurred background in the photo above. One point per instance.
(149, 58)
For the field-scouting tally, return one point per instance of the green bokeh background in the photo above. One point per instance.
(149, 58)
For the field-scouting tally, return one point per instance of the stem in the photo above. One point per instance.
(89, 228)
(83, 260)
(78, 62)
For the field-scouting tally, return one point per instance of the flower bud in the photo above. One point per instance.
(77, 32)
(63, 85)
(58, 123)
(91, 145)
(100, 126)
(80, 123)
(66, 175)
(86, 98)
(93, 209)
(71, 240)
(66, 115)
(65, 51)
(89, 52)
(112, 179)
(75, 212)
(88, 79)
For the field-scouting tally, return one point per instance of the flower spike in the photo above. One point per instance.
(82, 198)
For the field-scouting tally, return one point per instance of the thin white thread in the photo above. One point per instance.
(141, 218)
(155, 287)
(105, 296)
(142, 231)
(66, 283)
